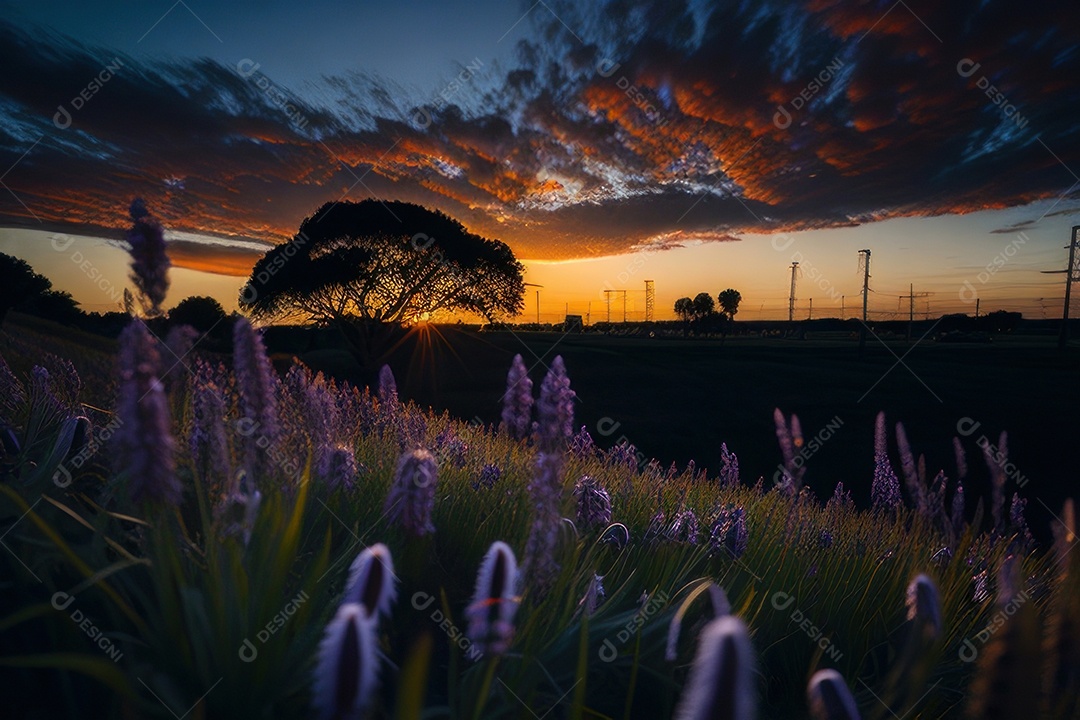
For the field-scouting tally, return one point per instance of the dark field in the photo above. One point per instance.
(678, 399)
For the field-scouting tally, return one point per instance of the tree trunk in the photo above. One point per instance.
(367, 341)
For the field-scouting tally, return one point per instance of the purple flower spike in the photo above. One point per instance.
(388, 394)
(149, 259)
(555, 411)
(256, 381)
(729, 532)
(722, 680)
(207, 442)
(495, 602)
(412, 495)
(545, 491)
(729, 467)
(593, 503)
(518, 400)
(346, 670)
(885, 490)
(144, 443)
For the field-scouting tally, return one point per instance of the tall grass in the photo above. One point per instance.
(217, 605)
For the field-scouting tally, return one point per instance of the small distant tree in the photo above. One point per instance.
(704, 306)
(729, 302)
(200, 312)
(20, 283)
(684, 309)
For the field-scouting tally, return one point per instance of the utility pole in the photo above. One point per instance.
(650, 300)
(607, 301)
(841, 307)
(864, 260)
(791, 296)
(624, 306)
(810, 316)
(977, 301)
(1072, 275)
(911, 306)
(537, 307)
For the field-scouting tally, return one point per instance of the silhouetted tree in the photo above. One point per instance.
(368, 267)
(53, 305)
(684, 308)
(19, 283)
(729, 302)
(703, 306)
(200, 312)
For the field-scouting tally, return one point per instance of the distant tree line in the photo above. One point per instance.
(30, 293)
(700, 311)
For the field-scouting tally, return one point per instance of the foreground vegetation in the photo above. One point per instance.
(181, 546)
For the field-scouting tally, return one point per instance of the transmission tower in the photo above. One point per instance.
(650, 300)
(911, 306)
(791, 297)
(864, 265)
(1072, 274)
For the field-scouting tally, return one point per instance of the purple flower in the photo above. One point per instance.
(1017, 523)
(885, 490)
(996, 459)
(338, 468)
(594, 595)
(961, 458)
(495, 602)
(791, 442)
(207, 442)
(346, 670)
(729, 532)
(841, 498)
(593, 503)
(555, 411)
(582, 444)
(144, 443)
(518, 400)
(412, 494)
(489, 475)
(722, 679)
(388, 394)
(545, 492)
(256, 382)
(957, 514)
(450, 448)
(684, 527)
(623, 455)
(829, 697)
(915, 485)
(149, 258)
(371, 581)
(729, 467)
(924, 607)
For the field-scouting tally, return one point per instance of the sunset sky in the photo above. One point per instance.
(699, 145)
